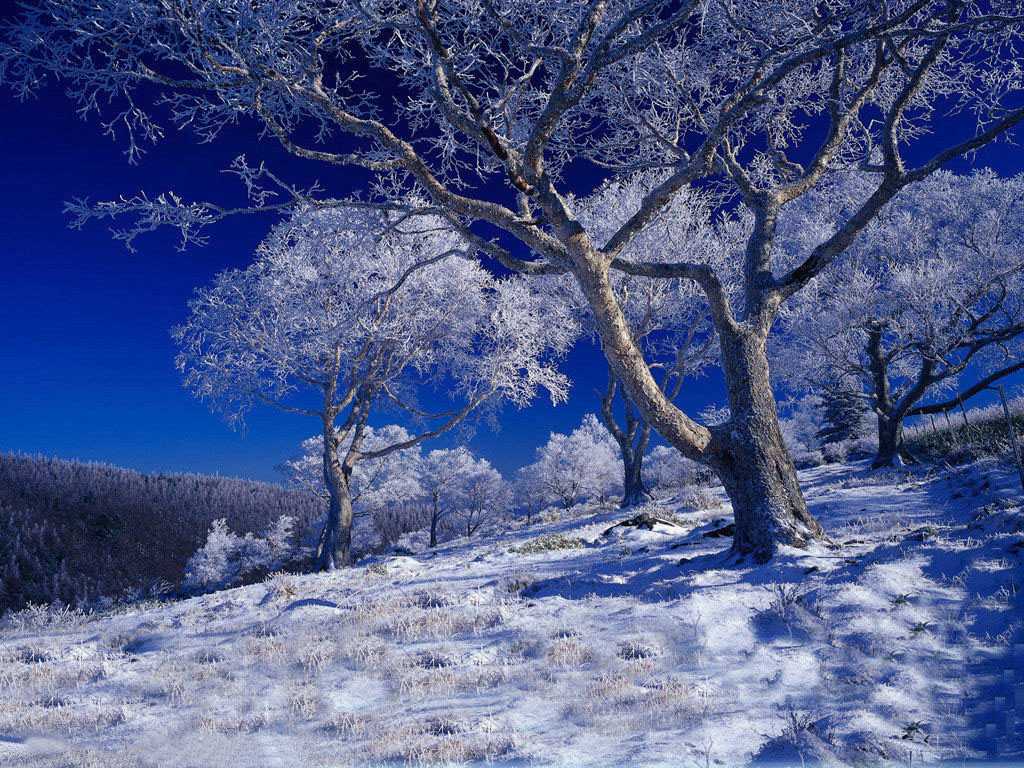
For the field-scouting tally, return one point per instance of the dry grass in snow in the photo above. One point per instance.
(556, 645)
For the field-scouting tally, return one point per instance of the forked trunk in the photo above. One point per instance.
(747, 452)
(632, 439)
(334, 550)
(891, 448)
(751, 458)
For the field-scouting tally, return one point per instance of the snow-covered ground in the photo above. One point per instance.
(558, 645)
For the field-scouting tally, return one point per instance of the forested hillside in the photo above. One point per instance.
(75, 532)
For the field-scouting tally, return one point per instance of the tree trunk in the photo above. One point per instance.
(435, 515)
(751, 458)
(748, 451)
(891, 448)
(336, 539)
(634, 491)
(632, 441)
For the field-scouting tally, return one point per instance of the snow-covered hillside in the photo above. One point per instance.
(559, 644)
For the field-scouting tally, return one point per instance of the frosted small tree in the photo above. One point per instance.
(925, 311)
(529, 490)
(763, 97)
(384, 489)
(584, 464)
(226, 558)
(803, 424)
(843, 410)
(485, 497)
(445, 472)
(348, 311)
(665, 469)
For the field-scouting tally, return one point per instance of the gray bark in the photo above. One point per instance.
(633, 492)
(891, 448)
(435, 516)
(334, 550)
(748, 451)
(751, 458)
(632, 440)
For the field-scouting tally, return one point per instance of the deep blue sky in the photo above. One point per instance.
(86, 363)
(86, 369)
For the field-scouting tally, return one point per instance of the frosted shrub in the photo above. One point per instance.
(35, 618)
(808, 458)
(666, 469)
(699, 499)
(227, 558)
(549, 543)
(834, 453)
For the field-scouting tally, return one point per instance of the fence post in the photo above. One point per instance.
(1013, 436)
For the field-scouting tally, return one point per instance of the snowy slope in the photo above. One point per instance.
(639, 647)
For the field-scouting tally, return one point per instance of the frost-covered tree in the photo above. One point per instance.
(458, 97)
(347, 311)
(529, 490)
(666, 469)
(384, 490)
(226, 558)
(485, 497)
(924, 311)
(802, 425)
(584, 464)
(843, 411)
(444, 477)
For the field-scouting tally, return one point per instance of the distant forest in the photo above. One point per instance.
(74, 533)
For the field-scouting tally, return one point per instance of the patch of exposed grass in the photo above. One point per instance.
(966, 442)
(550, 542)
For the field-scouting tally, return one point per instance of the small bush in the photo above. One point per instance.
(834, 453)
(36, 618)
(784, 596)
(549, 543)
(699, 499)
(226, 559)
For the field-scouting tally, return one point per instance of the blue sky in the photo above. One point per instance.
(86, 368)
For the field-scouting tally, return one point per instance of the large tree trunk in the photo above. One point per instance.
(633, 491)
(334, 550)
(747, 452)
(891, 448)
(751, 458)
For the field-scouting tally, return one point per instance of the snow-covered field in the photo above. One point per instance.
(558, 645)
